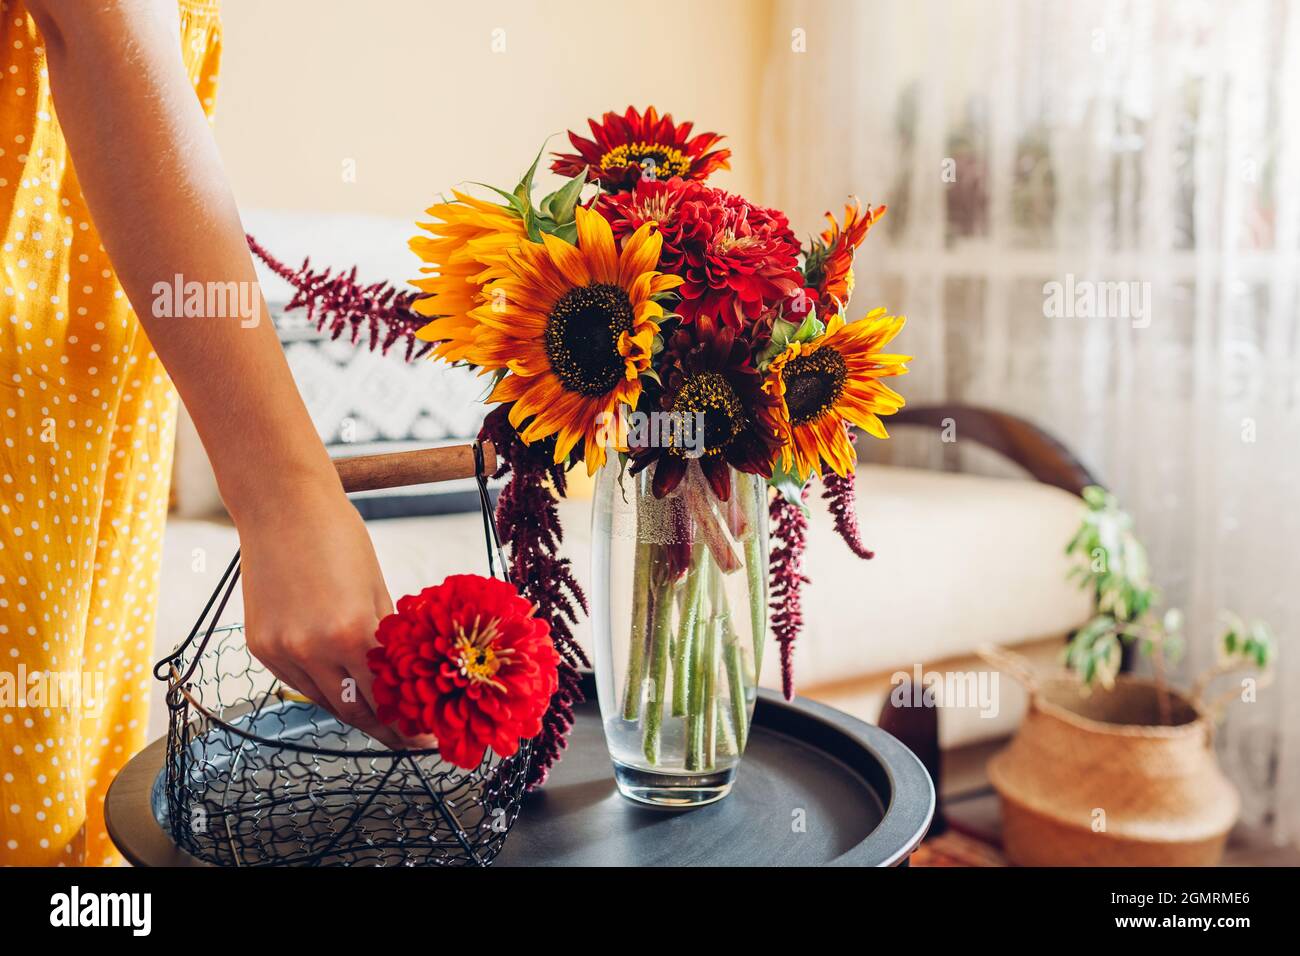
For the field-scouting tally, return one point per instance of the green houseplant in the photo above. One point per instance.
(1111, 769)
(1113, 564)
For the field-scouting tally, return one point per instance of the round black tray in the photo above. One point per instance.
(816, 786)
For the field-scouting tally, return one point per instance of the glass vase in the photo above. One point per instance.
(679, 613)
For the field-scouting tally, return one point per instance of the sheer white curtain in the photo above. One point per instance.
(1156, 144)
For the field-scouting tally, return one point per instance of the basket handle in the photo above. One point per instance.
(1020, 668)
(476, 460)
(418, 467)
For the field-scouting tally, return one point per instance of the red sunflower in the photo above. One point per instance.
(468, 662)
(709, 377)
(829, 265)
(633, 147)
(736, 259)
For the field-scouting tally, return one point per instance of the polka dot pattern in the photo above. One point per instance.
(87, 416)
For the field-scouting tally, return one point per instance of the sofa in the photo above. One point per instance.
(936, 590)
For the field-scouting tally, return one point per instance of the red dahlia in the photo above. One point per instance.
(468, 662)
(632, 147)
(737, 259)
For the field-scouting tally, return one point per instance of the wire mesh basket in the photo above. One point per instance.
(255, 775)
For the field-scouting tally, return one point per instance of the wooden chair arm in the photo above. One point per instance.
(1047, 461)
(1016, 439)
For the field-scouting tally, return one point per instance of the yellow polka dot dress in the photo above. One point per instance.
(87, 415)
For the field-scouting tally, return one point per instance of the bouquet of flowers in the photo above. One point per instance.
(638, 289)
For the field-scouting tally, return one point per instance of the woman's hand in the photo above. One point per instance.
(313, 595)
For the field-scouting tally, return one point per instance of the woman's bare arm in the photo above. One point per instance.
(153, 179)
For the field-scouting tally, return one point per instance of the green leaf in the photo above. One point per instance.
(782, 329)
(1254, 644)
(1265, 643)
(790, 487)
(784, 332)
(520, 207)
(810, 328)
(1094, 651)
(1095, 496)
(560, 205)
(524, 188)
(568, 232)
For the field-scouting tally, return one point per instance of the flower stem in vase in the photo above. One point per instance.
(732, 658)
(710, 692)
(727, 741)
(660, 636)
(695, 709)
(640, 626)
(701, 725)
(751, 490)
(686, 635)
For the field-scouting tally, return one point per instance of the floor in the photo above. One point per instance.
(976, 818)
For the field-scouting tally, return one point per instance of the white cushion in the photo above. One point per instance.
(960, 560)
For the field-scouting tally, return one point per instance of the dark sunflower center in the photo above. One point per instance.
(813, 383)
(582, 337)
(660, 162)
(710, 397)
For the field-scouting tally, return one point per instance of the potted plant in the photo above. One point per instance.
(1112, 769)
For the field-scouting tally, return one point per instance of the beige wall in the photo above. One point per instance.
(413, 93)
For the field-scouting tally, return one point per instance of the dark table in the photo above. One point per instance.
(816, 786)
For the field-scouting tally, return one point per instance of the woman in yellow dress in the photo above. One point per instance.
(112, 191)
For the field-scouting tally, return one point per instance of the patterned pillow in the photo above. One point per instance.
(363, 403)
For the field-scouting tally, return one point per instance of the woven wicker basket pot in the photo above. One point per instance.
(1096, 781)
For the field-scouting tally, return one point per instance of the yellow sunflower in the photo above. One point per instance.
(834, 377)
(574, 326)
(466, 250)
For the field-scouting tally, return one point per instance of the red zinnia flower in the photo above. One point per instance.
(737, 259)
(632, 147)
(468, 662)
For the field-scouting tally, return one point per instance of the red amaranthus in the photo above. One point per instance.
(841, 497)
(335, 302)
(529, 523)
(790, 529)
